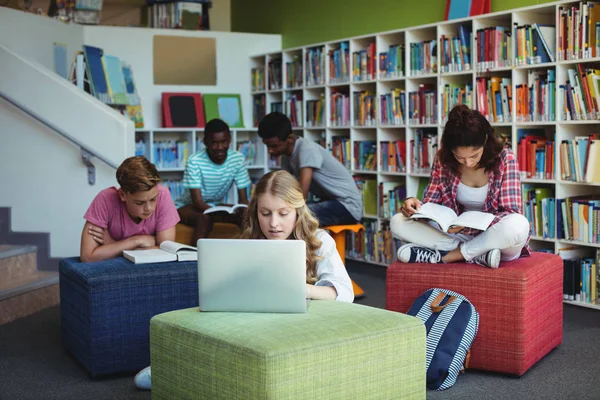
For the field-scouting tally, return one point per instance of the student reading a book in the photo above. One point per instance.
(140, 214)
(208, 177)
(472, 171)
(278, 211)
(319, 173)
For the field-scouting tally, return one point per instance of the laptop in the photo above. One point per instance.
(252, 275)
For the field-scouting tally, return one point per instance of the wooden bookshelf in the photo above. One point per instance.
(441, 77)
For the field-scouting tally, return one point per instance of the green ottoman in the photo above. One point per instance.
(335, 351)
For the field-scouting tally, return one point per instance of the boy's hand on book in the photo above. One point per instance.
(455, 229)
(100, 235)
(410, 206)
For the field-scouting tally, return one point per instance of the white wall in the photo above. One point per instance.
(32, 36)
(134, 45)
(44, 181)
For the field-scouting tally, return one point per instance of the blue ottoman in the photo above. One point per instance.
(106, 309)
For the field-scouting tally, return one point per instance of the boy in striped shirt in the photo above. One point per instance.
(208, 177)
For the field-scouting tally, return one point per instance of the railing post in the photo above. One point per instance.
(86, 157)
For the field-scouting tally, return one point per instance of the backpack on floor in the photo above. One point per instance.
(451, 323)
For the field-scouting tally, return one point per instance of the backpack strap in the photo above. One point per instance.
(435, 305)
(466, 364)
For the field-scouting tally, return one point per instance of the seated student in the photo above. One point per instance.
(278, 211)
(208, 177)
(317, 170)
(139, 214)
(472, 171)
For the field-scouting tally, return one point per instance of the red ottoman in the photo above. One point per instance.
(520, 305)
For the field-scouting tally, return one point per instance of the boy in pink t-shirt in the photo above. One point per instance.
(140, 214)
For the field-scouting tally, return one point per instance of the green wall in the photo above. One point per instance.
(303, 22)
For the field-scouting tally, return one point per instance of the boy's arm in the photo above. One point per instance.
(242, 196)
(92, 250)
(305, 179)
(167, 234)
(198, 201)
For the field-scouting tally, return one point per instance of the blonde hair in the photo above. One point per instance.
(137, 174)
(284, 186)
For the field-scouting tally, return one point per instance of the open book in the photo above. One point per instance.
(446, 218)
(229, 209)
(168, 251)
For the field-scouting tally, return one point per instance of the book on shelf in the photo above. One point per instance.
(224, 208)
(167, 251)
(444, 218)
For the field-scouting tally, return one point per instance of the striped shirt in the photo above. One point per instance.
(213, 180)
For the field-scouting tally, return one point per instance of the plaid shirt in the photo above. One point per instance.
(503, 198)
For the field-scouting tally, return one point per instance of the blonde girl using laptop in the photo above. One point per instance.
(278, 211)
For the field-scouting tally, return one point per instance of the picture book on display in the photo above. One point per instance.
(229, 209)
(168, 251)
(444, 218)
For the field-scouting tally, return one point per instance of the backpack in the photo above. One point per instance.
(451, 323)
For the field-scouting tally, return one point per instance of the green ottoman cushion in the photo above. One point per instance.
(334, 351)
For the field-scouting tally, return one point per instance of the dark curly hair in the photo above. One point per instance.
(469, 128)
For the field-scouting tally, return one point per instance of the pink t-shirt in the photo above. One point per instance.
(108, 211)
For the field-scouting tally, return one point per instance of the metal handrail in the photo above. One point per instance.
(86, 152)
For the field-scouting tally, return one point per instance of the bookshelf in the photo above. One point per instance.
(424, 73)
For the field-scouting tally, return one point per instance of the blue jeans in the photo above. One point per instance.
(331, 212)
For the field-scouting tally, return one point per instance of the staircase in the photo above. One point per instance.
(24, 289)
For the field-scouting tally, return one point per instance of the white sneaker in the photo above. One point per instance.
(412, 253)
(143, 379)
(490, 259)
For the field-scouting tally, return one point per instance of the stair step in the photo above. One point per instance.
(26, 295)
(17, 261)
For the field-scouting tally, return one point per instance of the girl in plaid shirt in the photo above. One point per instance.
(473, 171)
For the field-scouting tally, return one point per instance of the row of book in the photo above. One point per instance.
(581, 275)
(534, 43)
(539, 207)
(578, 218)
(365, 155)
(453, 95)
(494, 98)
(315, 113)
(259, 108)
(190, 15)
(339, 109)
(365, 110)
(372, 244)
(535, 100)
(422, 151)
(293, 76)
(456, 51)
(249, 150)
(364, 65)
(423, 57)
(391, 62)
(580, 159)
(535, 153)
(170, 153)
(422, 105)
(392, 107)
(580, 95)
(493, 47)
(315, 66)
(368, 190)
(340, 149)
(257, 79)
(393, 156)
(274, 74)
(391, 198)
(578, 30)
(339, 64)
